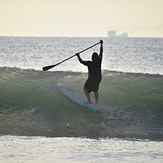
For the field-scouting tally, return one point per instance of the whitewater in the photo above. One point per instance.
(38, 124)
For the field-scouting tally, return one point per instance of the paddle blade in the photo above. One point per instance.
(47, 67)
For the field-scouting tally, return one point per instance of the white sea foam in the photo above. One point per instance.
(66, 150)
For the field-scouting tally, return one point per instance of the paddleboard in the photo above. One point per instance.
(80, 99)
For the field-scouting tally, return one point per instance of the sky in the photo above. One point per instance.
(81, 18)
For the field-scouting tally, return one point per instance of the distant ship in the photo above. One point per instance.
(113, 34)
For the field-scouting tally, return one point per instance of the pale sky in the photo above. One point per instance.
(81, 18)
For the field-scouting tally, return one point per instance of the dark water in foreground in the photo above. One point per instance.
(30, 105)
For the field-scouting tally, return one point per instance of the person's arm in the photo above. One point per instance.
(101, 49)
(79, 58)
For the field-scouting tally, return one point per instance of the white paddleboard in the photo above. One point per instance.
(80, 99)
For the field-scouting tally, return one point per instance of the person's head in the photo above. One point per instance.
(94, 56)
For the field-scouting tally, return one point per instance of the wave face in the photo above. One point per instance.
(31, 106)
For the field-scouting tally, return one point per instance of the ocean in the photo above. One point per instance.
(38, 124)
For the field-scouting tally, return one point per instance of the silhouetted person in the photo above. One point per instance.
(94, 74)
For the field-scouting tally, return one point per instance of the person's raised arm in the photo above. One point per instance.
(101, 49)
(79, 58)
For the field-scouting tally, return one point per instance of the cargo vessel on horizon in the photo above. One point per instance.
(113, 34)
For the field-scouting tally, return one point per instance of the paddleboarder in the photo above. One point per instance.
(94, 74)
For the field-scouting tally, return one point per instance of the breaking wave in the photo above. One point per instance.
(30, 105)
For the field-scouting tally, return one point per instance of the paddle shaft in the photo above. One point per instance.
(51, 66)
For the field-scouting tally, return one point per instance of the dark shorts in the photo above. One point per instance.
(92, 84)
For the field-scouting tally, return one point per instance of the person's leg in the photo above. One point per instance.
(96, 94)
(87, 95)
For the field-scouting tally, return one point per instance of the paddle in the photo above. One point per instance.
(51, 66)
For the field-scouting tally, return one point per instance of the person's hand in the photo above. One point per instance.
(101, 41)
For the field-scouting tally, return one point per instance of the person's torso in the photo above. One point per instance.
(94, 68)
